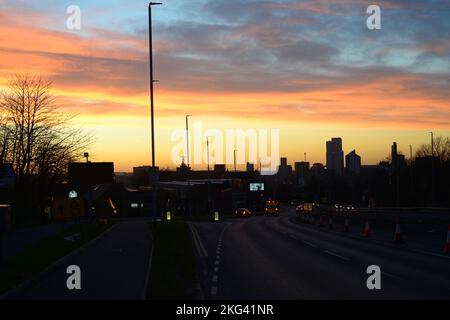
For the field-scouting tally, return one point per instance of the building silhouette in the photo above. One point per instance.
(301, 172)
(335, 156)
(398, 160)
(284, 171)
(353, 163)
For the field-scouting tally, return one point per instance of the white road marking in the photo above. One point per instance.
(205, 253)
(431, 254)
(197, 245)
(309, 244)
(336, 255)
(215, 277)
(391, 275)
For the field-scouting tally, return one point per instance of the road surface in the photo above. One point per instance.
(113, 268)
(281, 258)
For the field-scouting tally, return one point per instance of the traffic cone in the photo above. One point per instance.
(398, 234)
(330, 223)
(447, 245)
(367, 229)
(347, 225)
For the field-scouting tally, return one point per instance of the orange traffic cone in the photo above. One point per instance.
(347, 225)
(447, 245)
(398, 234)
(367, 229)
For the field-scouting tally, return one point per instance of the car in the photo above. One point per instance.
(338, 208)
(349, 208)
(299, 209)
(272, 208)
(295, 203)
(243, 212)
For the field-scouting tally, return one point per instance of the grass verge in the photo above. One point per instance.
(172, 273)
(34, 259)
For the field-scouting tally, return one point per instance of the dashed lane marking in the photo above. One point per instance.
(336, 255)
(309, 244)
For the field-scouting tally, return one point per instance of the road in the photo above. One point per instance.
(114, 267)
(281, 258)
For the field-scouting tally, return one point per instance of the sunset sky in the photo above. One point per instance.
(309, 68)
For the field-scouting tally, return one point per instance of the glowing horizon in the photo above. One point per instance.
(308, 68)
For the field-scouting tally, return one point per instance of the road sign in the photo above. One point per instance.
(65, 209)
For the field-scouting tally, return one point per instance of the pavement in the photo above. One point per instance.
(114, 267)
(283, 258)
(17, 240)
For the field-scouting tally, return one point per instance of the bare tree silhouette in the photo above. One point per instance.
(36, 139)
(441, 149)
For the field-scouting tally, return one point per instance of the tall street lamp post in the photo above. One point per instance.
(188, 198)
(187, 137)
(207, 150)
(432, 168)
(153, 171)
